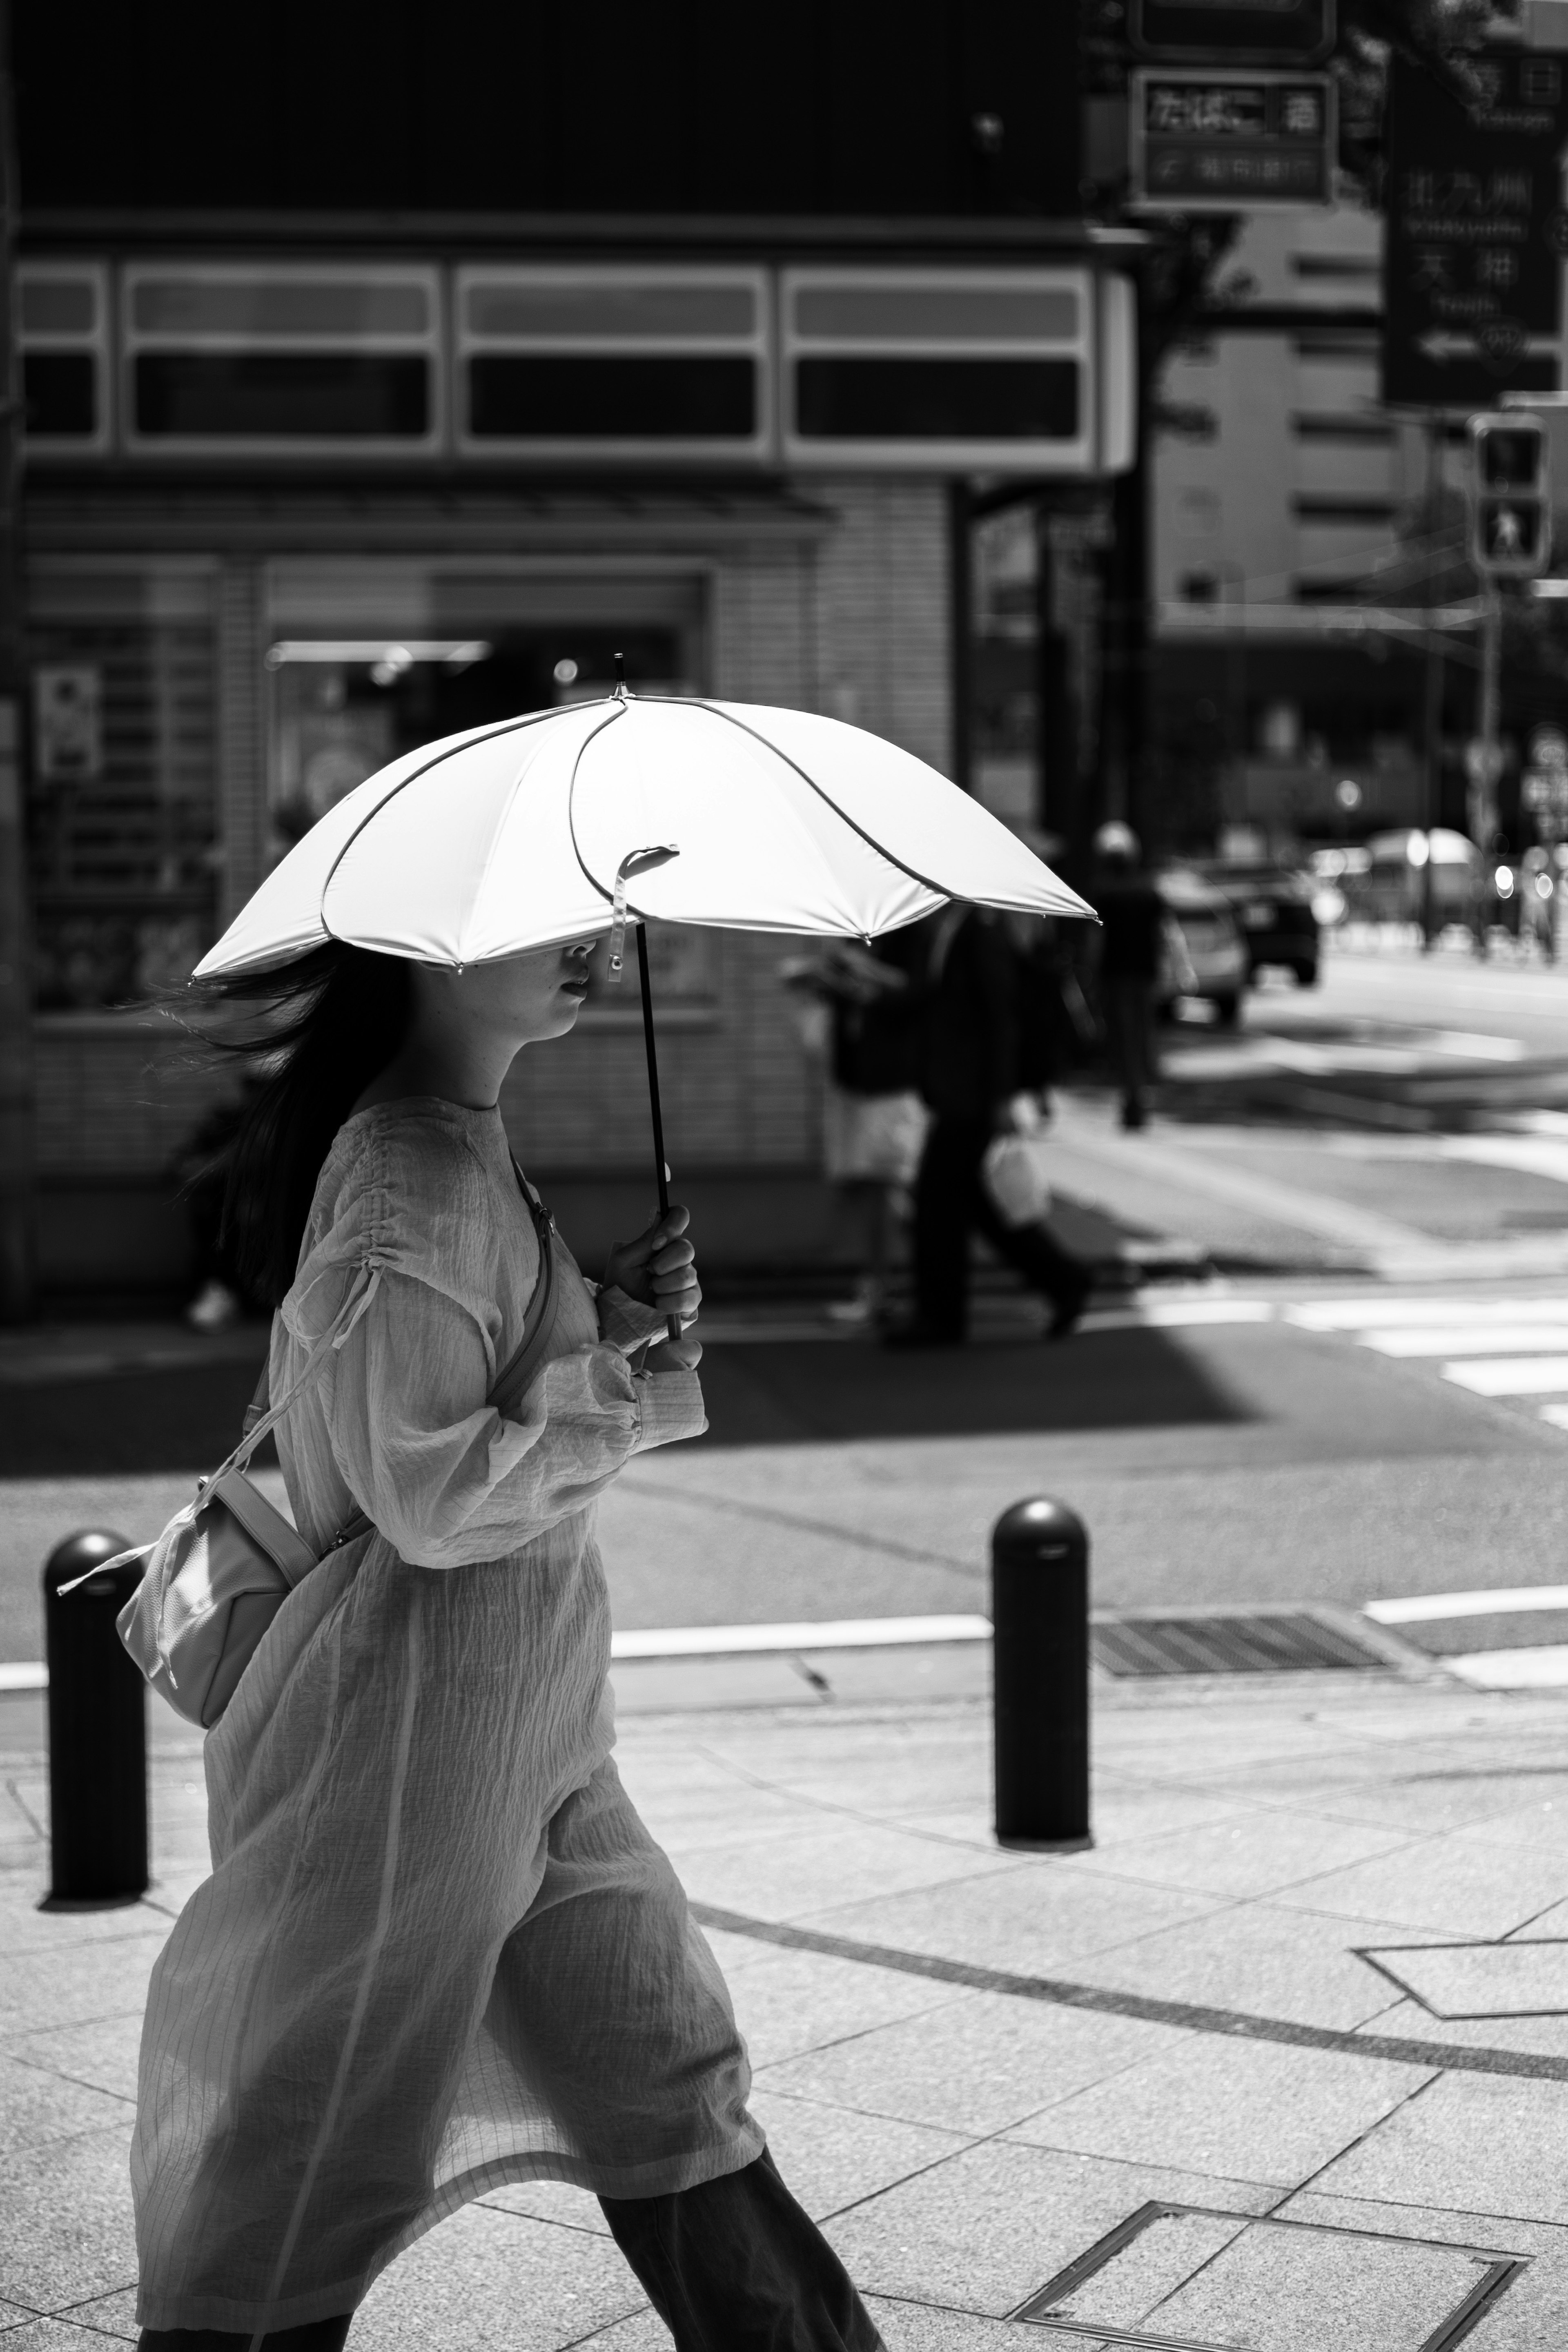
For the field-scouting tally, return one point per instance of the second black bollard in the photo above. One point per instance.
(1040, 1613)
(98, 1731)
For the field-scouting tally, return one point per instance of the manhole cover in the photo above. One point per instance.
(1237, 1641)
(1179, 2278)
(1471, 1981)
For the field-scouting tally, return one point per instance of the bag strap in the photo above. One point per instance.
(510, 1381)
(257, 1408)
(539, 1323)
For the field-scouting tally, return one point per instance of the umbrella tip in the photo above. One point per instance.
(621, 675)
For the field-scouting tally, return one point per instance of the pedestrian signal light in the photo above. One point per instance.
(1510, 500)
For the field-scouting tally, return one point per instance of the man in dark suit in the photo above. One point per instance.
(1133, 922)
(970, 1070)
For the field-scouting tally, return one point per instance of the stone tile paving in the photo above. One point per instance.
(1036, 2048)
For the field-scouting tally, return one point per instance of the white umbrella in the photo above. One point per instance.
(574, 821)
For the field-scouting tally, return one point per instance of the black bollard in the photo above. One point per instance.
(97, 1732)
(1040, 1612)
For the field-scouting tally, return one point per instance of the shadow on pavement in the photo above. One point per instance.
(186, 1419)
(811, 1390)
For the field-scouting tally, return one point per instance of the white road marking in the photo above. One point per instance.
(1557, 1415)
(1370, 1313)
(1542, 1669)
(708, 1641)
(1339, 1061)
(1431, 1608)
(842, 1633)
(1474, 1047)
(1525, 1155)
(1505, 1375)
(1195, 1170)
(1177, 1314)
(1484, 1338)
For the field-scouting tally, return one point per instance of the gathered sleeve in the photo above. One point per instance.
(447, 1486)
(624, 1321)
(442, 1474)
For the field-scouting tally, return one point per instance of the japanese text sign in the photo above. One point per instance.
(1475, 232)
(1214, 142)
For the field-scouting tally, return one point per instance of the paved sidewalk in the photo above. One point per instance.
(1314, 1972)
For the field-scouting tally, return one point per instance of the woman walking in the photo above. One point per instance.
(438, 1951)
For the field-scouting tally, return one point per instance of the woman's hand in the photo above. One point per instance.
(659, 1270)
(672, 1356)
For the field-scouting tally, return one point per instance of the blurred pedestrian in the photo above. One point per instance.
(971, 1065)
(438, 1951)
(1132, 936)
(874, 1122)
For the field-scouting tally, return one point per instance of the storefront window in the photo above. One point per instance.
(344, 706)
(431, 654)
(120, 805)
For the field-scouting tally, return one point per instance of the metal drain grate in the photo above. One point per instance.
(1189, 2278)
(1268, 1641)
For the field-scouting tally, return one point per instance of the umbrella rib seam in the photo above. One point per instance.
(507, 727)
(608, 721)
(882, 851)
(693, 702)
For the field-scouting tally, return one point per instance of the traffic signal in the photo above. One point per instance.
(1510, 497)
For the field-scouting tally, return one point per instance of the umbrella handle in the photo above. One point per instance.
(671, 1322)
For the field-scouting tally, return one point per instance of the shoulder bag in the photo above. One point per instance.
(224, 1566)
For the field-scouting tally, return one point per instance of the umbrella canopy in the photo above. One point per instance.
(524, 834)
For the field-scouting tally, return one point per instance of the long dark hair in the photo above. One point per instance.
(333, 1019)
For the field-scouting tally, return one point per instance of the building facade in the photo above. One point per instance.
(1317, 664)
(318, 469)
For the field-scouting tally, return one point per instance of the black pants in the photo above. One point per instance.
(1128, 1004)
(733, 2265)
(322, 2336)
(736, 2266)
(951, 1202)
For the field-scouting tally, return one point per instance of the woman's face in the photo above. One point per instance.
(520, 999)
(535, 995)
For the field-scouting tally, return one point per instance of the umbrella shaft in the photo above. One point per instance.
(663, 1174)
(673, 1322)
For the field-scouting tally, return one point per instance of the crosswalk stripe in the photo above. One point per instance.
(1545, 1668)
(1503, 1376)
(1432, 1608)
(1476, 1339)
(1375, 1314)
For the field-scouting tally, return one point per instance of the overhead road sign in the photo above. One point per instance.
(1510, 497)
(1232, 32)
(1475, 237)
(1210, 141)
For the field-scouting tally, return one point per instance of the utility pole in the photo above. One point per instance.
(1489, 717)
(1509, 540)
(1124, 680)
(1432, 712)
(18, 1262)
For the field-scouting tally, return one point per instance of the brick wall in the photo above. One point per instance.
(242, 770)
(116, 1096)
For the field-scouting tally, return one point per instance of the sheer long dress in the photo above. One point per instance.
(438, 1951)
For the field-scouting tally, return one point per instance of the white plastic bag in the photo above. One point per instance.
(1013, 1174)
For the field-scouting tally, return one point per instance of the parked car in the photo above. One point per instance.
(1205, 954)
(1274, 908)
